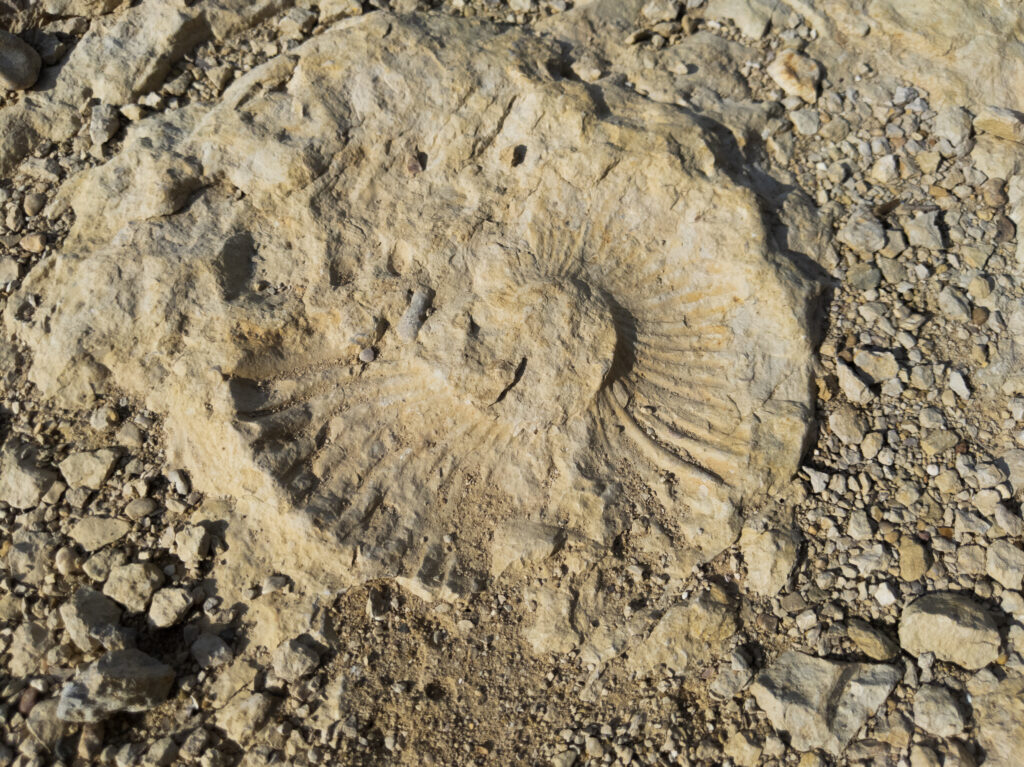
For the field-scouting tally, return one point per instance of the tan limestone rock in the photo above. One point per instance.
(565, 295)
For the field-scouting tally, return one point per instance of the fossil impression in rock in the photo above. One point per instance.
(578, 321)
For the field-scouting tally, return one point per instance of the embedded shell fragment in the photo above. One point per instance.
(575, 313)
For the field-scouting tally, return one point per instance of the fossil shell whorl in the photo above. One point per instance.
(594, 333)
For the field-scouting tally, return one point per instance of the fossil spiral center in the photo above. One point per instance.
(534, 353)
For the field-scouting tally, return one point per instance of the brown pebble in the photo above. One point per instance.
(28, 700)
(34, 203)
(33, 243)
(993, 192)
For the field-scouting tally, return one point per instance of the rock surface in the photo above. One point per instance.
(463, 361)
(937, 712)
(820, 703)
(123, 680)
(22, 483)
(92, 620)
(727, 430)
(953, 627)
(998, 708)
(770, 556)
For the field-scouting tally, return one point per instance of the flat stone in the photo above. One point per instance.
(89, 469)
(852, 385)
(820, 703)
(120, 681)
(92, 620)
(1002, 123)
(998, 709)
(140, 508)
(132, 585)
(847, 424)
(863, 233)
(294, 660)
(22, 482)
(877, 366)
(952, 626)
(922, 231)
(864, 276)
(210, 651)
(936, 711)
(169, 606)
(938, 441)
(770, 557)
(1005, 564)
(93, 533)
(870, 641)
(914, 559)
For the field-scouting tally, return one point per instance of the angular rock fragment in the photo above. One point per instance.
(923, 231)
(770, 556)
(30, 556)
(1005, 564)
(852, 385)
(752, 17)
(293, 660)
(93, 533)
(998, 709)
(796, 74)
(92, 620)
(936, 711)
(1000, 122)
(122, 680)
(210, 651)
(89, 469)
(848, 425)
(685, 634)
(952, 626)
(660, 10)
(876, 365)
(821, 703)
(242, 717)
(168, 606)
(870, 641)
(862, 233)
(132, 585)
(128, 55)
(22, 482)
(29, 645)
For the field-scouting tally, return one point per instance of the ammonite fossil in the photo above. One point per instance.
(409, 285)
